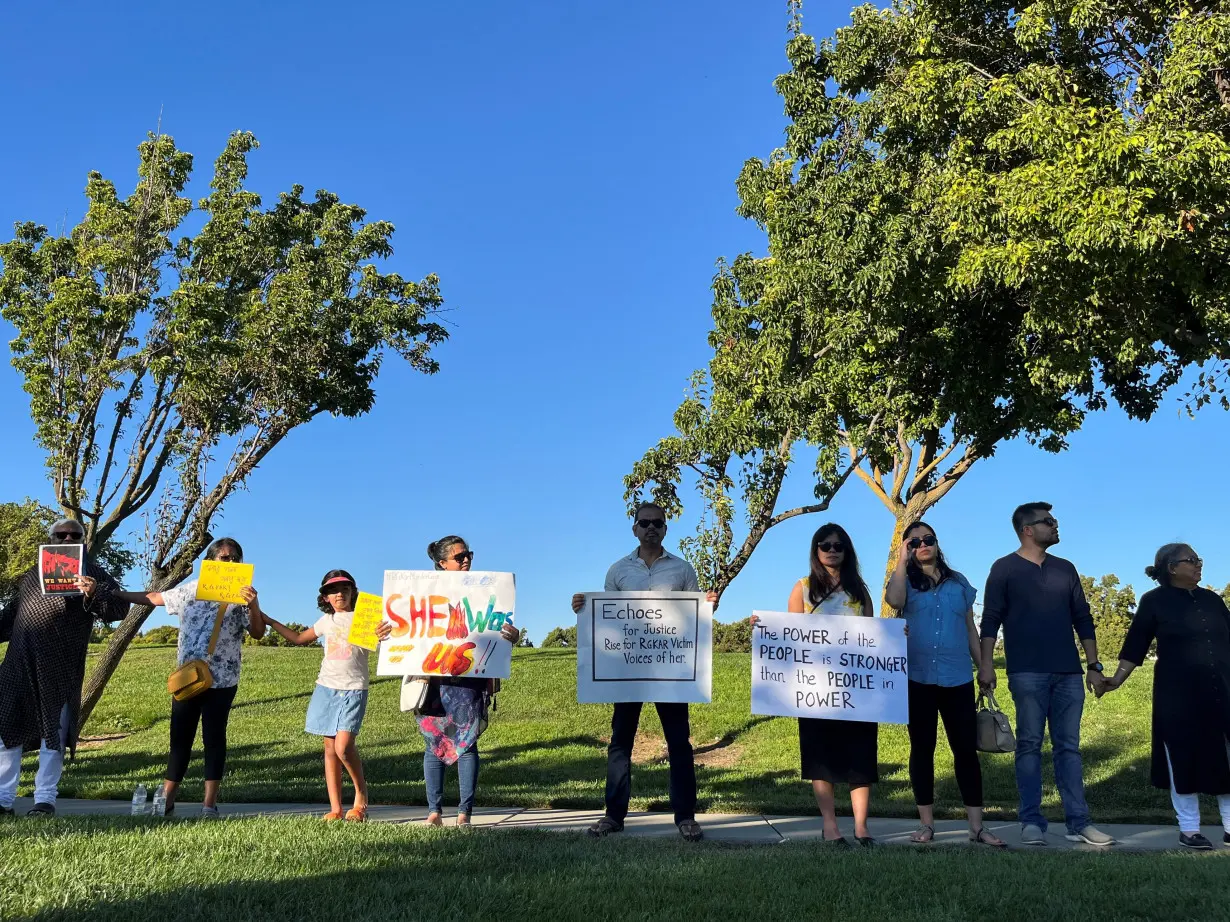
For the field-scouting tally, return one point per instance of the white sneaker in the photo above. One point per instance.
(1033, 835)
(1090, 835)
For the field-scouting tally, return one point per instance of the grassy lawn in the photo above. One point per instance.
(543, 749)
(238, 870)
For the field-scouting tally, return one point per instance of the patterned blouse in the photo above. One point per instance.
(196, 624)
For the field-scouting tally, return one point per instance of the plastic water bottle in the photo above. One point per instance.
(160, 801)
(138, 800)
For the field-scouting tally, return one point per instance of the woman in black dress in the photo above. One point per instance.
(1191, 687)
(836, 751)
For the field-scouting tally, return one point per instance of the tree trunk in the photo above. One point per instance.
(117, 644)
(907, 515)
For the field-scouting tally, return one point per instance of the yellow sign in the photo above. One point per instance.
(221, 582)
(368, 612)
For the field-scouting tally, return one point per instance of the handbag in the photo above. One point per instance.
(194, 677)
(994, 731)
(413, 692)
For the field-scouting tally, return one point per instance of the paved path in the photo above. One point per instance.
(719, 827)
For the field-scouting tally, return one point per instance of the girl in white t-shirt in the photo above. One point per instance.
(340, 699)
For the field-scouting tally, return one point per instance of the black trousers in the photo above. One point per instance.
(624, 722)
(211, 709)
(956, 707)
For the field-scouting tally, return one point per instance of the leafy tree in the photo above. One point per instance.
(162, 371)
(986, 221)
(561, 637)
(733, 638)
(273, 638)
(524, 639)
(24, 526)
(164, 634)
(1112, 607)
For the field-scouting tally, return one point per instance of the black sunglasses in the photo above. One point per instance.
(928, 540)
(64, 535)
(1049, 520)
(651, 523)
(831, 547)
(464, 555)
(1192, 560)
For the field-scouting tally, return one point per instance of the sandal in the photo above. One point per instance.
(463, 819)
(923, 835)
(605, 826)
(434, 819)
(332, 816)
(357, 815)
(690, 830)
(982, 837)
(865, 841)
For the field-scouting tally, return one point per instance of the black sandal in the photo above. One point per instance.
(604, 827)
(865, 841)
(979, 838)
(690, 830)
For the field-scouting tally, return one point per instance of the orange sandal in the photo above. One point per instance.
(332, 816)
(357, 815)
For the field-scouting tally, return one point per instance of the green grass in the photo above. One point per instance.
(544, 749)
(243, 870)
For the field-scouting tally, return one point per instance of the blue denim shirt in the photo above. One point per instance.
(938, 645)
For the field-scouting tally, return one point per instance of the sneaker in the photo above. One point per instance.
(1196, 841)
(209, 813)
(42, 810)
(1033, 835)
(1090, 835)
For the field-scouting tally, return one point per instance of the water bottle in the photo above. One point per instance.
(160, 801)
(138, 800)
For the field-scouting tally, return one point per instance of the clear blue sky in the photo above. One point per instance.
(568, 170)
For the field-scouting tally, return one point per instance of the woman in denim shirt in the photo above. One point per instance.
(937, 603)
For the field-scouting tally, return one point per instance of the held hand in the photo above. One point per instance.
(753, 619)
(1095, 682)
(987, 678)
(510, 633)
(86, 585)
(712, 598)
(578, 602)
(250, 598)
(384, 630)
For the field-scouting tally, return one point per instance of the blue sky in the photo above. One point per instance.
(568, 170)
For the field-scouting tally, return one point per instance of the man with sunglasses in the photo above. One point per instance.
(1038, 599)
(42, 672)
(649, 567)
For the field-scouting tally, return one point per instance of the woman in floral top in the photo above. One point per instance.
(211, 709)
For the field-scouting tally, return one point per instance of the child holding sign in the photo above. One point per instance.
(340, 699)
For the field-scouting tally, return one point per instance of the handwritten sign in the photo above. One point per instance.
(835, 666)
(221, 581)
(645, 646)
(60, 565)
(447, 623)
(368, 613)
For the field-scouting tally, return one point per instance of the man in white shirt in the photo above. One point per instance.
(650, 566)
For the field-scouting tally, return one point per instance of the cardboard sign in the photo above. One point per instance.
(447, 623)
(368, 613)
(59, 566)
(221, 581)
(645, 646)
(834, 666)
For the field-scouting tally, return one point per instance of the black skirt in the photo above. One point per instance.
(839, 751)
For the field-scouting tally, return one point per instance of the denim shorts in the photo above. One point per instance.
(334, 709)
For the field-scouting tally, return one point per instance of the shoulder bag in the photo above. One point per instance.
(194, 677)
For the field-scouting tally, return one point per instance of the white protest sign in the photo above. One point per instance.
(841, 667)
(645, 646)
(447, 623)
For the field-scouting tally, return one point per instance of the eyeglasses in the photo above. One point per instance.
(1192, 560)
(67, 535)
(651, 523)
(928, 540)
(463, 556)
(834, 547)
(1049, 520)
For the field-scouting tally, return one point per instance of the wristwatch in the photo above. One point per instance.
(1095, 667)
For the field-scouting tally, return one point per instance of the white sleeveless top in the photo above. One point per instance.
(839, 603)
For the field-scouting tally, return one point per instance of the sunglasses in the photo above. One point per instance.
(651, 523)
(915, 543)
(464, 555)
(1049, 520)
(228, 558)
(1192, 560)
(833, 547)
(66, 535)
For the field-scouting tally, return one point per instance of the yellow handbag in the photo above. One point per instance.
(194, 677)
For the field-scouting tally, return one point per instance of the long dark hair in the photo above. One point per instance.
(322, 603)
(437, 549)
(819, 587)
(914, 573)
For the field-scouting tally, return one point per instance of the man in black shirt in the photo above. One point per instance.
(1039, 601)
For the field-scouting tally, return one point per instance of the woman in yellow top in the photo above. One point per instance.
(836, 751)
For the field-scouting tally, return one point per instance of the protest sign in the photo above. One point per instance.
(447, 623)
(836, 666)
(368, 613)
(221, 581)
(60, 565)
(645, 646)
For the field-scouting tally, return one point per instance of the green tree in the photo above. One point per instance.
(162, 371)
(561, 637)
(735, 637)
(164, 634)
(1112, 607)
(986, 222)
(273, 638)
(524, 639)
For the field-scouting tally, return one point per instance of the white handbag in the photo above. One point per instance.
(413, 692)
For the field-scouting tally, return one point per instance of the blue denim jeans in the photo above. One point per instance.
(467, 780)
(1057, 699)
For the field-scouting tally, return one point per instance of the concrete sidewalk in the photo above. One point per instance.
(751, 828)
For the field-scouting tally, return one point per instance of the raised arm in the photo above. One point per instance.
(897, 590)
(145, 597)
(298, 638)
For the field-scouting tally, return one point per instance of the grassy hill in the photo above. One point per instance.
(544, 749)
